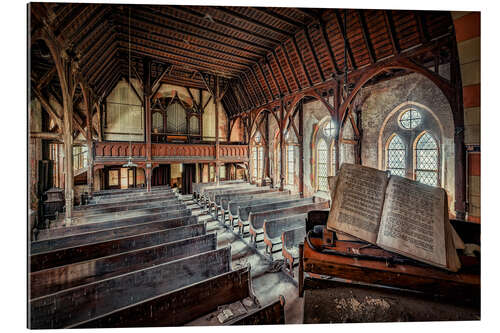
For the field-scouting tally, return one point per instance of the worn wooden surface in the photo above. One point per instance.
(291, 239)
(272, 314)
(180, 306)
(68, 276)
(235, 205)
(128, 221)
(108, 234)
(95, 250)
(340, 302)
(126, 206)
(464, 284)
(76, 305)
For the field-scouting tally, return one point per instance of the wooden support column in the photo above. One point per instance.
(267, 169)
(359, 137)
(338, 102)
(282, 146)
(68, 156)
(301, 149)
(147, 112)
(217, 102)
(90, 144)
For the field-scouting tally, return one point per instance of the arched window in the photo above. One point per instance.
(396, 156)
(290, 164)
(322, 166)
(427, 160)
(324, 158)
(257, 157)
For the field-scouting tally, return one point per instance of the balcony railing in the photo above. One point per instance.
(117, 151)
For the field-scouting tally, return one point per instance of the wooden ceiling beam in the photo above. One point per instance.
(289, 64)
(278, 16)
(366, 37)
(93, 74)
(326, 40)
(315, 56)
(229, 26)
(265, 79)
(77, 11)
(105, 41)
(204, 28)
(115, 68)
(270, 70)
(160, 54)
(149, 30)
(199, 37)
(281, 71)
(93, 22)
(423, 33)
(301, 60)
(247, 92)
(253, 89)
(252, 21)
(389, 22)
(258, 83)
(343, 33)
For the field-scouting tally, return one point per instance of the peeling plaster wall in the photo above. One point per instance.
(381, 99)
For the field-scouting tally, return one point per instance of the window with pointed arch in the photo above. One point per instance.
(257, 157)
(325, 154)
(413, 149)
(291, 151)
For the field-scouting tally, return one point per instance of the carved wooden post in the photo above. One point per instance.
(147, 112)
(217, 102)
(301, 150)
(267, 169)
(282, 146)
(90, 147)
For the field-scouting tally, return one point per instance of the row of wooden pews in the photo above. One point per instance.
(129, 262)
(276, 218)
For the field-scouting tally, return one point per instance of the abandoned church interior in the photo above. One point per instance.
(217, 165)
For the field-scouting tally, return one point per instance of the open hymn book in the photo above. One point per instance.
(394, 213)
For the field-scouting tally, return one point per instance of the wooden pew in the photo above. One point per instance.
(181, 306)
(290, 249)
(70, 255)
(274, 228)
(234, 207)
(214, 197)
(197, 187)
(73, 307)
(129, 196)
(245, 211)
(272, 193)
(256, 218)
(109, 234)
(272, 314)
(222, 200)
(56, 279)
(126, 206)
(129, 190)
(205, 197)
(84, 208)
(89, 227)
(104, 217)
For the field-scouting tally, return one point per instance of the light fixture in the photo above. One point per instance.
(129, 163)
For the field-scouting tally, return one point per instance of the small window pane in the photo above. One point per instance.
(291, 168)
(329, 129)
(322, 166)
(254, 162)
(396, 157)
(427, 170)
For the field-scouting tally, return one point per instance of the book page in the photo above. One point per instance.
(412, 222)
(357, 201)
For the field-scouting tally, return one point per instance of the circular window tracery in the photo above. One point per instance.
(410, 119)
(329, 129)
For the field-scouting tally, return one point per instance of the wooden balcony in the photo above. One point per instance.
(109, 152)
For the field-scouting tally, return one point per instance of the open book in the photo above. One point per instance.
(395, 213)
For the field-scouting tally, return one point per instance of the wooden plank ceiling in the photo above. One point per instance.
(265, 53)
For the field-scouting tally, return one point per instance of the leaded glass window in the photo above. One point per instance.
(396, 156)
(290, 161)
(254, 162)
(427, 155)
(329, 129)
(322, 166)
(410, 119)
(257, 137)
(261, 162)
